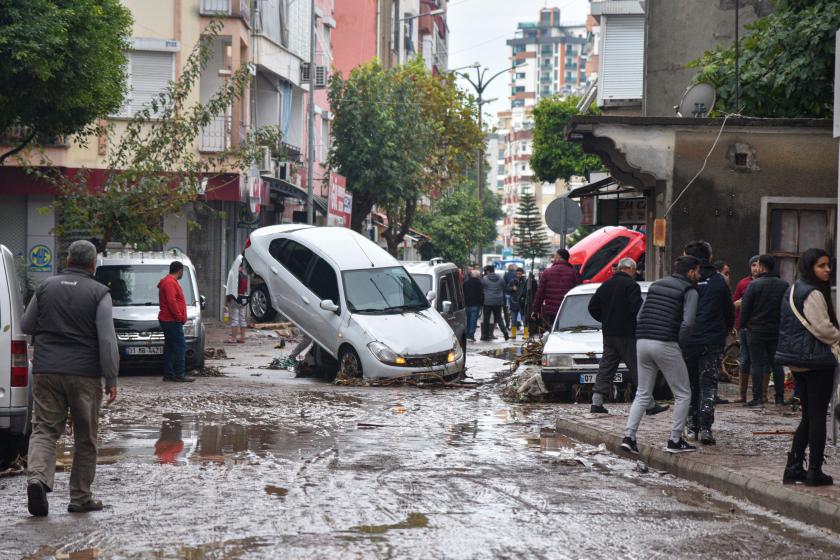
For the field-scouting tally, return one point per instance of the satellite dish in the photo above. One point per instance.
(697, 101)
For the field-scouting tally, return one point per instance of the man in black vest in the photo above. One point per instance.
(75, 348)
(704, 350)
(663, 327)
(615, 305)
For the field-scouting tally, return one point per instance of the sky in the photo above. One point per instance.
(478, 30)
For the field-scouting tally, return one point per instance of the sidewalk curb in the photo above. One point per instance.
(814, 510)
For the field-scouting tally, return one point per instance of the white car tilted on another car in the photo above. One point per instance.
(354, 300)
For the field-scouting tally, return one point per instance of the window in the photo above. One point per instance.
(794, 230)
(445, 292)
(520, 75)
(325, 139)
(323, 282)
(457, 290)
(603, 257)
(295, 258)
(424, 281)
(136, 285)
(382, 290)
(148, 74)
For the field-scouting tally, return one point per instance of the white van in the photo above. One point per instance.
(15, 368)
(354, 300)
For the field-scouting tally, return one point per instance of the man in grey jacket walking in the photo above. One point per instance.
(664, 326)
(75, 348)
(494, 299)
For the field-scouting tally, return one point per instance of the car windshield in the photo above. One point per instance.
(382, 290)
(424, 281)
(137, 284)
(574, 314)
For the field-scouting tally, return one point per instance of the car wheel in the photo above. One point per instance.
(12, 445)
(349, 364)
(260, 304)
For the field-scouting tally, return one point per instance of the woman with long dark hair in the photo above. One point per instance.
(807, 331)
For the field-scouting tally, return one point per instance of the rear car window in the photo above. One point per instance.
(323, 281)
(295, 258)
(603, 256)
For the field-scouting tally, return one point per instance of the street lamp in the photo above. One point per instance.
(437, 12)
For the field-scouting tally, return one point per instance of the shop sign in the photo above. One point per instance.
(247, 219)
(40, 259)
(340, 204)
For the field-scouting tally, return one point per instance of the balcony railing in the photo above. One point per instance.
(215, 137)
(215, 7)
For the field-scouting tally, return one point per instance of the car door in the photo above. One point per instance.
(322, 283)
(446, 292)
(286, 282)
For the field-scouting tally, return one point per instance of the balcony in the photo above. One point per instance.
(215, 137)
(236, 8)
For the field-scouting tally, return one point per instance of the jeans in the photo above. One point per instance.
(174, 349)
(815, 393)
(496, 311)
(761, 359)
(703, 363)
(53, 396)
(472, 319)
(654, 356)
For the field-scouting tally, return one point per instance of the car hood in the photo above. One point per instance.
(143, 313)
(409, 334)
(568, 342)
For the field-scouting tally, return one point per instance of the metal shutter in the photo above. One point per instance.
(150, 72)
(13, 213)
(622, 58)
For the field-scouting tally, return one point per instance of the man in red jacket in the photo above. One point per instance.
(172, 316)
(555, 282)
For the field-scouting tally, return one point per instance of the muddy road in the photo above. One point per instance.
(258, 464)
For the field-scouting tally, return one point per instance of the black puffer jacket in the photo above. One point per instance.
(615, 304)
(715, 312)
(661, 316)
(761, 306)
(797, 346)
(473, 292)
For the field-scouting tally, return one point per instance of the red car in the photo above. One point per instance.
(596, 254)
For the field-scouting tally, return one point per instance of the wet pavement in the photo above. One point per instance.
(257, 464)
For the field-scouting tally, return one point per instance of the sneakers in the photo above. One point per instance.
(706, 437)
(755, 403)
(681, 446)
(598, 409)
(36, 493)
(628, 444)
(90, 505)
(656, 409)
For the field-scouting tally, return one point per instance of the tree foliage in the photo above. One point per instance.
(62, 65)
(786, 63)
(553, 157)
(531, 241)
(399, 134)
(152, 166)
(457, 224)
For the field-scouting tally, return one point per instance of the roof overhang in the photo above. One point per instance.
(284, 189)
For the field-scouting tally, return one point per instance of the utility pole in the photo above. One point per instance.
(310, 171)
(737, 57)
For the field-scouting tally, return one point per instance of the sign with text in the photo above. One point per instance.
(340, 204)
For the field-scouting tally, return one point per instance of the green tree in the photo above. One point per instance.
(457, 225)
(530, 239)
(786, 60)
(399, 134)
(62, 66)
(553, 157)
(152, 167)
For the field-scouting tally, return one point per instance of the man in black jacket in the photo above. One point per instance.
(704, 350)
(615, 305)
(473, 301)
(760, 315)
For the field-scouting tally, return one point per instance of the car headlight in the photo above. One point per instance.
(557, 360)
(456, 352)
(189, 328)
(385, 354)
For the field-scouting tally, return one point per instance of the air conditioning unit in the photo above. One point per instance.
(321, 76)
(266, 164)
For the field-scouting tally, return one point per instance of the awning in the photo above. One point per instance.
(602, 187)
(285, 189)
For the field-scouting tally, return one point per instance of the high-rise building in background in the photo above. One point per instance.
(548, 58)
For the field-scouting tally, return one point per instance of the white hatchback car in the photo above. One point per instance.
(354, 300)
(573, 349)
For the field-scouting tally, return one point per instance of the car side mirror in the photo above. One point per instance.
(328, 305)
(430, 295)
(202, 302)
(446, 307)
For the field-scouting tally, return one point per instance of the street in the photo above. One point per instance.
(271, 466)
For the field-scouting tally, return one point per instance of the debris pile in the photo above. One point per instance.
(525, 385)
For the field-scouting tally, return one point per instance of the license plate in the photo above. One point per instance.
(590, 378)
(144, 350)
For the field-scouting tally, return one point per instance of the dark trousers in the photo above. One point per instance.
(616, 349)
(174, 349)
(703, 363)
(761, 359)
(744, 359)
(815, 393)
(496, 311)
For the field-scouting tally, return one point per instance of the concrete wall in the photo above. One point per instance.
(724, 205)
(354, 38)
(679, 31)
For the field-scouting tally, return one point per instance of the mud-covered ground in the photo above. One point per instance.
(258, 464)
